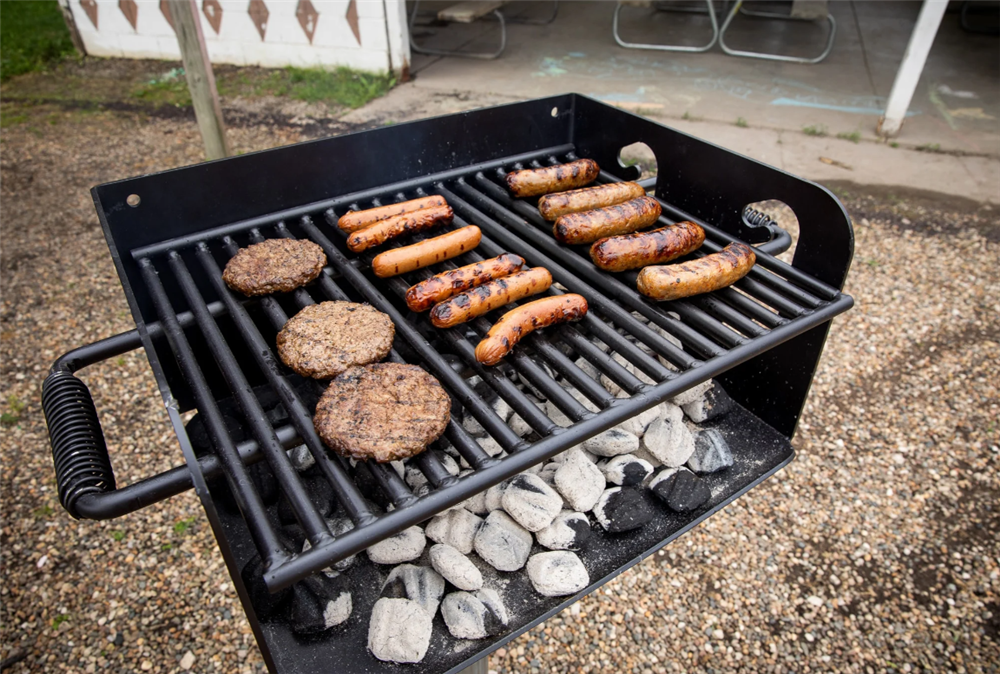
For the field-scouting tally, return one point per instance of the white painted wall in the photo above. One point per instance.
(381, 24)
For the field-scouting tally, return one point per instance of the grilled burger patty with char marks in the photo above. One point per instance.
(385, 412)
(274, 266)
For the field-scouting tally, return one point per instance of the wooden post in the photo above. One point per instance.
(201, 81)
(74, 34)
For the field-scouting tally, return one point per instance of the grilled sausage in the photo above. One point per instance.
(525, 319)
(478, 301)
(352, 221)
(719, 270)
(425, 253)
(631, 251)
(532, 182)
(429, 292)
(390, 228)
(623, 218)
(551, 206)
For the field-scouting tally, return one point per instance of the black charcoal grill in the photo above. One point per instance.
(211, 350)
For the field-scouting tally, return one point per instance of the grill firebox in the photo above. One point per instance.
(213, 351)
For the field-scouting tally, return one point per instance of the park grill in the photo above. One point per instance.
(211, 350)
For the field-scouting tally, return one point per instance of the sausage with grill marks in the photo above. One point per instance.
(425, 253)
(592, 225)
(631, 251)
(352, 221)
(407, 223)
(429, 292)
(551, 206)
(525, 319)
(478, 301)
(532, 182)
(712, 272)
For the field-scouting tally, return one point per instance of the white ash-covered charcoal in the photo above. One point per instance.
(711, 452)
(490, 446)
(400, 468)
(532, 503)
(503, 543)
(622, 509)
(405, 546)
(548, 472)
(680, 489)
(643, 454)
(414, 477)
(557, 415)
(714, 404)
(616, 390)
(476, 504)
(626, 470)
(455, 567)
(638, 424)
(611, 442)
(456, 527)
(668, 439)
(301, 458)
(399, 631)
(670, 338)
(467, 617)
(580, 482)
(694, 393)
(319, 603)
(568, 531)
(421, 584)
(557, 573)
(338, 527)
(494, 604)
(449, 463)
(531, 387)
(494, 496)
(519, 425)
(588, 368)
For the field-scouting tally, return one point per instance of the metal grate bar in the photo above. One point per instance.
(750, 307)
(729, 315)
(603, 362)
(707, 323)
(567, 368)
(247, 498)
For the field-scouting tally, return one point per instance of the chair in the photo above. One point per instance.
(661, 6)
(802, 10)
(467, 12)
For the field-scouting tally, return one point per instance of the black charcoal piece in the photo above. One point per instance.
(626, 470)
(622, 509)
(714, 404)
(319, 602)
(680, 489)
(264, 603)
(568, 531)
(711, 452)
(320, 493)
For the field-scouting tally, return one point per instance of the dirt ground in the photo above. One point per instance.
(877, 550)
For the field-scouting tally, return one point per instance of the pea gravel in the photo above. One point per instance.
(876, 550)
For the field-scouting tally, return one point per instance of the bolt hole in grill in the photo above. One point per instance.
(213, 350)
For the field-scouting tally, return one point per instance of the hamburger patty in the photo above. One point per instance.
(324, 339)
(274, 266)
(385, 412)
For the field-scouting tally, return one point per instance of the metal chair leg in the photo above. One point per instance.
(538, 22)
(444, 52)
(667, 47)
(774, 57)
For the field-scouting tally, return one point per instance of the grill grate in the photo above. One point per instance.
(716, 332)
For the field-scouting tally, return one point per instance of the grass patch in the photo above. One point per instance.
(742, 123)
(818, 130)
(168, 89)
(893, 144)
(32, 36)
(117, 535)
(12, 416)
(853, 136)
(929, 147)
(42, 513)
(182, 527)
(10, 120)
(59, 620)
(342, 86)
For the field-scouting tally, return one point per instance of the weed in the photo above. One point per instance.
(43, 512)
(873, 263)
(893, 144)
(182, 527)
(16, 405)
(742, 123)
(853, 136)
(120, 361)
(688, 116)
(167, 91)
(11, 120)
(166, 546)
(59, 620)
(818, 130)
(14, 415)
(929, 147)
(342, 86)
(117, 535)
(33, 35)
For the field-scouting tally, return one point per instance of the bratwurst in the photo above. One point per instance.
(429, 292)
(425, 253)
(712, 272)
(532, 182)
(525, 319)
(623, 218)
(478, 301)
(551, 206)
(352, 221)
(631, 251)
(398, 225)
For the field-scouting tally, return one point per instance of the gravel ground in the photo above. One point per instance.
(877, 550)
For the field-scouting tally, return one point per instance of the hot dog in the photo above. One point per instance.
(390, 228)
(532, 182)
(425, 253)
(478, 301)
(352, 221)
(551, 206)
(623, 218)
(524, 320)
(674, 281)
(631, 251)
(429, 292)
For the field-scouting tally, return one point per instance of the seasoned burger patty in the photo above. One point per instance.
(385, 412)
(274, 266)
(324, 339)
